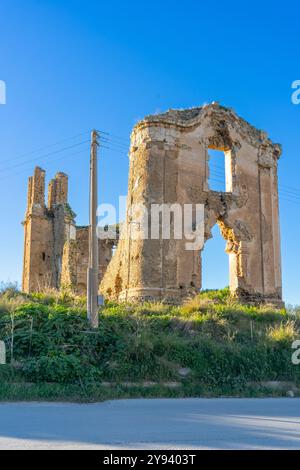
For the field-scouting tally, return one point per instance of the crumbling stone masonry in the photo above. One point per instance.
(55, 249)
(169, 163)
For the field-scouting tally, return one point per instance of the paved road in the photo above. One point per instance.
(153, 424)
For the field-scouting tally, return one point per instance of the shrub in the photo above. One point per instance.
(61, 369)
(283, 333)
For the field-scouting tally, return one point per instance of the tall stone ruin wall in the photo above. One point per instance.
(55, 249)
(169, 164)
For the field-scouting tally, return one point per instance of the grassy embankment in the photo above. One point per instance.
(210, 346)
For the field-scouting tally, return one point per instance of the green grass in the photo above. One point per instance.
(53, 355)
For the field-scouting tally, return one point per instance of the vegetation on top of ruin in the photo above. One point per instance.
(209, 346)
(186, 115)
(69, 211)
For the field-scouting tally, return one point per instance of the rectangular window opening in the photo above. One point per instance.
(219, 170)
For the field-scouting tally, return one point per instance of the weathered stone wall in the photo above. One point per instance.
(38, 246)
(55, 250)
(169, 163)
(75, 260)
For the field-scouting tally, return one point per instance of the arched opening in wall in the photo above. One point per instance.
(215, 262)
(220, 177)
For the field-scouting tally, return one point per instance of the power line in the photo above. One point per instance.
(42, 157)
(285, 198)
(220, 174)
(114, 136)
(292, 192)
(47, 162)
(40, 149)
(217, 175)
(119, 145)
(116, 144)
(118, 139)
(115, 148)
(112, 143)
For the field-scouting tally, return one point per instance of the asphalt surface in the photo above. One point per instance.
(153, 424)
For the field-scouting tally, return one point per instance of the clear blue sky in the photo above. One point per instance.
(70, 66)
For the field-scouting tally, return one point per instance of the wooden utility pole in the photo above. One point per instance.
(92, 274)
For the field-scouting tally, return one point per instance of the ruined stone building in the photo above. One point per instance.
(55, 249)
(169, 163)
